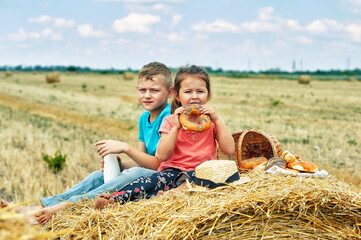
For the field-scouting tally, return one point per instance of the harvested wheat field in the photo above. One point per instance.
(319, 122)
(268, 207)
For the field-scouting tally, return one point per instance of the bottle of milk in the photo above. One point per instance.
(111, 167)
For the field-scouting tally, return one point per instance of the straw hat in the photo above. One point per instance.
(214, 173)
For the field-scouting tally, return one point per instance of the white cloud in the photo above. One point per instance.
(293, 24)
(176, 37)
(19, 36)
(46, 33)
(200, 37)
(304, 40)
(355, 6)
(323, 26)
(141, 1)
(175, 20)
(265, 14)
(135, 22)
(158, 7)
(87, 30)
(316, 27)
(34, 35)
(57, 22)
(218, 26)
(41, 19)
(50, 34)
(161, 7)
(355, 31)
(61, 22)
(259, 26)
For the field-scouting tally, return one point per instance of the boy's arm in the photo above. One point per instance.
(141, 158)
(138, 156)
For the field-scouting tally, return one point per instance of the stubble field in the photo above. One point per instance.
(319, 122)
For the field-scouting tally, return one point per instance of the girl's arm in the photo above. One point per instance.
(167, 141)
(138, 155)
(224, 138)
(166, 144)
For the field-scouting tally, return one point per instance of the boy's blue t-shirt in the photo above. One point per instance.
(148, 132)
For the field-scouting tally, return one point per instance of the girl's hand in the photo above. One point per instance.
(111, 146)
(205, 109)
(176, 122)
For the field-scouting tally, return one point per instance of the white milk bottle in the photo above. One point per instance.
(111, 167)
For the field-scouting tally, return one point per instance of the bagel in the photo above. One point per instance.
(289, 157)
(303, 166)
(251, 162)
(191, 110)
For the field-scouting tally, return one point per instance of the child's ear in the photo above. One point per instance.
(171, 92)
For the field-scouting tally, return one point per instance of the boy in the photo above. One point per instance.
(154, 88)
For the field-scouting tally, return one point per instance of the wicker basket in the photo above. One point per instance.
(252, 143)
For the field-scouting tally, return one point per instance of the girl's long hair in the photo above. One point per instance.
(182, 73)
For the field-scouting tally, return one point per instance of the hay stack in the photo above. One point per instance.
(304, 79)
(128, 76)
(8, 73)
(268, 207)
(13, 226)
(53, 77)
(353, 80)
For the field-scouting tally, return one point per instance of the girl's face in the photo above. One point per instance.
(193, 89)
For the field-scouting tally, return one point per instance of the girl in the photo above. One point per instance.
(179, 150)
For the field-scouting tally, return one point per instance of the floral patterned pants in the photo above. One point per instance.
(147, 187)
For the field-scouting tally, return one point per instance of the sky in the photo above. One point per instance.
(245, 35)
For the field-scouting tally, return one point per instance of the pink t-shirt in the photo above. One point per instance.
(191, 148)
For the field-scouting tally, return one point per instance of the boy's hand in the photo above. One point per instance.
(111, 146)
(205, 109)
(176, 122)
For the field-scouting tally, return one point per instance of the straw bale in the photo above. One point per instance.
(53, 77)
(8, 73)
(304, 79)
(268, 207)
(353, 80)
(128, 76)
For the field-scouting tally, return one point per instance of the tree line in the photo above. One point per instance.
(216, 71)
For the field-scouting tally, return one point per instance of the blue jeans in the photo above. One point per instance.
(93, 185)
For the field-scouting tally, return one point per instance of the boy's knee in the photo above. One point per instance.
(96, 175)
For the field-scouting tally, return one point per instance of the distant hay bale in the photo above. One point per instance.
(304, 79)
(268, 207)
(8, 73)
(53, 77)
(353, 80)
(128, 76)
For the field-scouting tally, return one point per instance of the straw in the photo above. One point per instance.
(268, 207)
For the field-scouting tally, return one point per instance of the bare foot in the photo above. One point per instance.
(28, 212)
(160, 193)
(45, 214)
(4, 203)
(103, 201)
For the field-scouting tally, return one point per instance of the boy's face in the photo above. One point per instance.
(153, 93)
